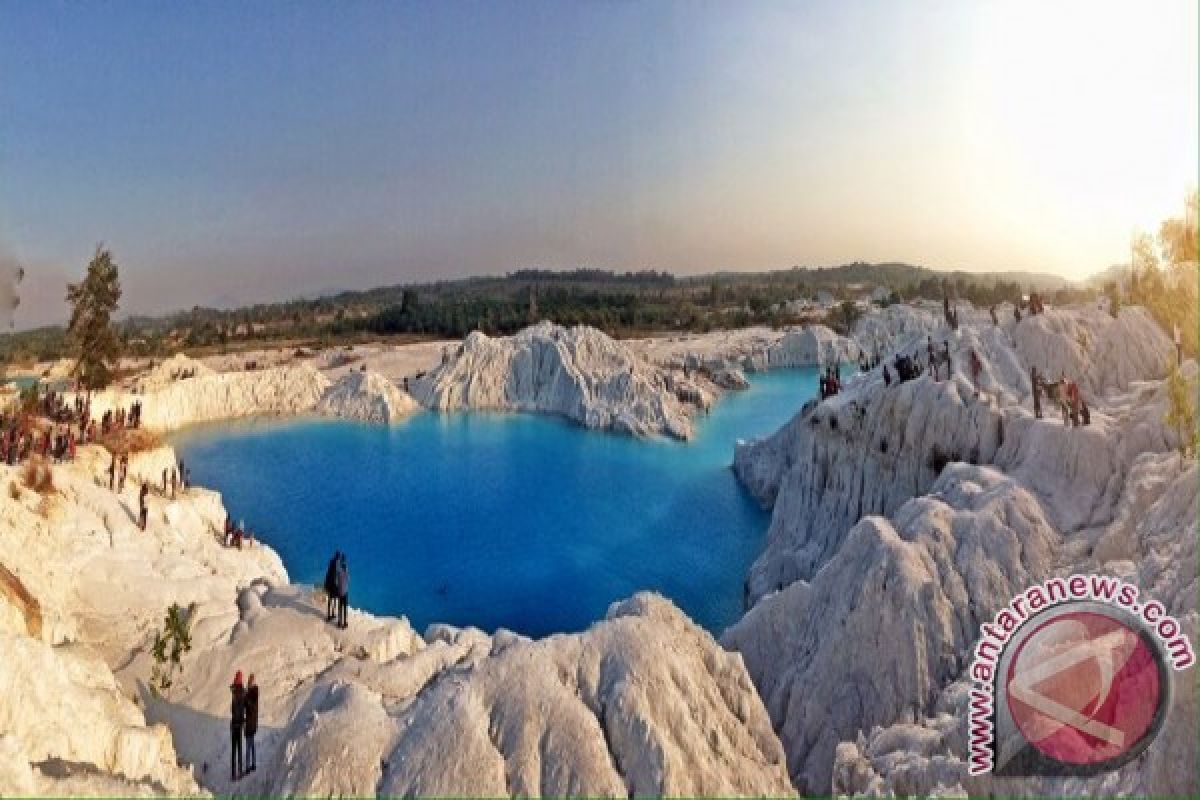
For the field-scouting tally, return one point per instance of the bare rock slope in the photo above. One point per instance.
(368, 397)
(578, 373)
(905, 516)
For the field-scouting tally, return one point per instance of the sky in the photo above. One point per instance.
(232, 152)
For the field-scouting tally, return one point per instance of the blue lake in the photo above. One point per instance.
(504, 520)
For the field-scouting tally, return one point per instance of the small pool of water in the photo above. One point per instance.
(504, 520)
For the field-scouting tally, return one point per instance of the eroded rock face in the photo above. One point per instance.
(643, 703)
(579, 373)
(871, 448)
(861, 625)
(890, 618)
(811, 346)
(367, 397)
(214, 396)
(1151, 544)
(62, 703)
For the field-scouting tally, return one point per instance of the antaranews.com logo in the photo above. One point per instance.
(1072, 677)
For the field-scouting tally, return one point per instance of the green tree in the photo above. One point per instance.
(90, 331)
(170, 644)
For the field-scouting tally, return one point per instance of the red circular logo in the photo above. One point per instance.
(1084, 688)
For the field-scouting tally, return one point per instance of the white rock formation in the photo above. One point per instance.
(221, 395)
(897, 327)
(177, 367)
(810, 346)
(885, 552)
(579, 373)
(911, 592)
(871, 448)
(366, 396)
(63, 703)
(644, 703)
(1145, 544)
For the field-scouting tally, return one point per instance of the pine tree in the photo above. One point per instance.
(90, 330)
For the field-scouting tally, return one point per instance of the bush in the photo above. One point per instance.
(1181, 410)
(38, 476)
(130, 441)
(170, 644)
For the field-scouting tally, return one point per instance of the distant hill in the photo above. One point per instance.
(893, 275)
(621, 303)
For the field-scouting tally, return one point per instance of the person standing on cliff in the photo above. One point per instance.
(237, 721)
(1037, 392)
(331, 587)
(251, 723)
(142, 511)
(343, 589)
(976, 368)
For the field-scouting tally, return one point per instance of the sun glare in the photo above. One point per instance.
(1093, 103)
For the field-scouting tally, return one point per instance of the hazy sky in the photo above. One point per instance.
(234, 152)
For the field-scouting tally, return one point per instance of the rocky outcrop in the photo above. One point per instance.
(886, 551)
(911, 592)
(872, 447)
(221, 395)
(63, 703)
(176, 368)
(810, 346)
(644, 703)
(1146, 544)
(367, 397)
(578, 373)
(897, 328)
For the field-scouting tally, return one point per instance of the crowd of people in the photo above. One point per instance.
(868, 362)
(237, 536)
(49, 426)
(831, 381)
(910, 367)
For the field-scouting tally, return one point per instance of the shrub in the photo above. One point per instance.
(38, 475)
(130, 441)
(170, 644)
(1181, 410)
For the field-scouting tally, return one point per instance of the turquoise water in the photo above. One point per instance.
(504, 520)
